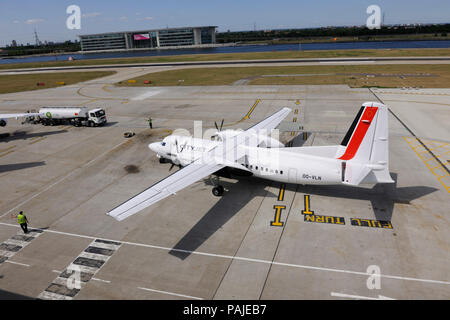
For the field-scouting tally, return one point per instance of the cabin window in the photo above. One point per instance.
(276, 171)
(281, 171)
(256, 167)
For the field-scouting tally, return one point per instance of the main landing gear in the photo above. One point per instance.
(218, 189)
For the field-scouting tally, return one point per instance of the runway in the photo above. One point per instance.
(234, 63)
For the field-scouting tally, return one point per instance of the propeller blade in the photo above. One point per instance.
(221, 125)
(215, 123)
(173, 165)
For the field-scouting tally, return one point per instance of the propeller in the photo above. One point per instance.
(221, 125)
(178, 151)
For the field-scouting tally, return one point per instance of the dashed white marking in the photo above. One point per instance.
(16, 242)
(171, 293)
(97, 279)
(53, 296)
(33, 234)
(85, 269)
(236, 258)
(145, 95)
(5, 253)
(343, 295)
(95, 256)
(102, 245)
(18, 263)
(64, 281)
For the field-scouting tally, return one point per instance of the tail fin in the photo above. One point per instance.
(364, 150)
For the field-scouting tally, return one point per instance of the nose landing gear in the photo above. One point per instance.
(218, 189)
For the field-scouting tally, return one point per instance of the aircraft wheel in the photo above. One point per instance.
(218, 191)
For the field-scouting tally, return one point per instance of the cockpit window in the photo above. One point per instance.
(163, 144)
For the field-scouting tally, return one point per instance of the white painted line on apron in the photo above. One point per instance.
(171, 293)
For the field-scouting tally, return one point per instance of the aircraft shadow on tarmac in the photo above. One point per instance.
(20, 166)
(382, 197)
(18, 135)
(231, 203)
(8, 295)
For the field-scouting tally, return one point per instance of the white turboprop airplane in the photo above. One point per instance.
(5, 116)
(361, 158)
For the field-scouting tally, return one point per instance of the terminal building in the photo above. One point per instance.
(148, 39)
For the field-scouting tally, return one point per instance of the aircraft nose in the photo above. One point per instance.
(154, 146)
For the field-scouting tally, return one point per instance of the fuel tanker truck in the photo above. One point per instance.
(77, 116)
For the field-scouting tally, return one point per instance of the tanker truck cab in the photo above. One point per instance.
(96, 117)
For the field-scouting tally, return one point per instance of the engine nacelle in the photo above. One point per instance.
(223, 135)
(270, 142)
(3, 122)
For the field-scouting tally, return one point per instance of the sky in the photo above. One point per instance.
(19, 18)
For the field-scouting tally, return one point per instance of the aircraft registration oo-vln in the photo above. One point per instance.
(361, 158)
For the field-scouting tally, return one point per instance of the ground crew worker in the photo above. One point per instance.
(150, 123)
(22, 219)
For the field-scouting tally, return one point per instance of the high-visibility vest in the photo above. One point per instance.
(21, 218)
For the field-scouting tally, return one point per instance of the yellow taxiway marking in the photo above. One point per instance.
(97, 98)
(247, 116)
(281, 194)
(37, 140)
(105, 88)
(276, 220)
(6, 149)
(307, 205)
(6, 153)
(434, 170)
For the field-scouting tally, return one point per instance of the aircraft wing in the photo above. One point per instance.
(166, 187)
(273, 121)
(209, 163)
(18, 115)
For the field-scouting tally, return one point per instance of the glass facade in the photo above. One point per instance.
(176, 37)
(148, 39)
(103, 42)
(207, 35)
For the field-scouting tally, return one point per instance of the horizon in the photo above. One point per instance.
(48, 17)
